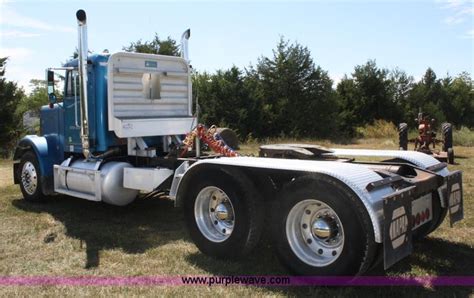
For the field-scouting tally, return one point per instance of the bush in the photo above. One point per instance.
(380, 129)
(463, 137)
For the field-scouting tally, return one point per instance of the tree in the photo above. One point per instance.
(35, 100)
(3, 63)
(458, 102)
(32, 103)
(401, 85)
(426, 96)
(367, 96)
(75, 54)
(348, 117)
(296, 95)
(374, 91)
(155, 46)
(10, 95)
(225, 100)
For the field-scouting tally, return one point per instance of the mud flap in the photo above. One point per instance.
(397, 226)
(16, 168)
(454, 197)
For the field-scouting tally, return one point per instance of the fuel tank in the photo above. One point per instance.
(95, 181)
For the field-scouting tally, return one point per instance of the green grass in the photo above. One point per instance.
(379, 129)
(71, 237)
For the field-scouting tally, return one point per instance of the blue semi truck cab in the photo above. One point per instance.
(118, 112)
(101, 139)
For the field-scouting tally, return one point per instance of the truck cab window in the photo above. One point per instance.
(72, 83)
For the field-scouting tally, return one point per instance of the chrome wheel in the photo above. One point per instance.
(214, 214)
(29, 178)
(315, 233)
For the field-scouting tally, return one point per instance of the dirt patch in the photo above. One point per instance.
(6, 173)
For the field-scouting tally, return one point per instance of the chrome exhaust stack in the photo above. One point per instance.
(185, 55)
(184, 44)
(83, 52)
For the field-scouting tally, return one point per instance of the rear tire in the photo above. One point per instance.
(450, 152)
(348, 248)
(403, 136)
(447, 130)
(30, 177)
(224, 214)
(229, 136)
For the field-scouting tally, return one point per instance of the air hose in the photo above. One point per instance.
(211, 138)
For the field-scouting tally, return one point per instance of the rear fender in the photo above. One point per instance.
(353, 176)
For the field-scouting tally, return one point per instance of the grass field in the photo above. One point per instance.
(71, 237)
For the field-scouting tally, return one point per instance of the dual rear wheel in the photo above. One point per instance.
(318, 226)
(322, 228)
(223, 212)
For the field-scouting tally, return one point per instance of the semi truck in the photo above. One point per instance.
(120, 131)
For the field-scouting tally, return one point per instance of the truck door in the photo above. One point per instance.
(72, 116)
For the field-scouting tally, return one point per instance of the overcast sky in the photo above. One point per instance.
(412, 35)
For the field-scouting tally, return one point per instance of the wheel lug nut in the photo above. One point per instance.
(320, 251)
(307, 211)
(223, 231)
(334, 252)
(212, 210)
(309, 240)
(215, 222)
(305, 226)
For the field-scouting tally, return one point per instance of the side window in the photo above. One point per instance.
(68, 91)
(72, 83)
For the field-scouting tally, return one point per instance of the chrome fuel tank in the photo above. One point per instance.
(94, 181)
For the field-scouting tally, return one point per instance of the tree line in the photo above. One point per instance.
(287, 95)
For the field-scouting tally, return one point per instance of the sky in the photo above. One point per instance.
(410, 35)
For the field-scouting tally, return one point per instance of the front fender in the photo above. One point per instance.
(35, 143)
(47, 153)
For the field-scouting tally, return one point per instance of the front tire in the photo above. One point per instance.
(30, 177)
(224, 214)
(321, 228)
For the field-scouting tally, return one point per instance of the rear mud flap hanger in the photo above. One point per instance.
(397, 222)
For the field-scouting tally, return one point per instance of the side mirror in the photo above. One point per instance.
(50, 82)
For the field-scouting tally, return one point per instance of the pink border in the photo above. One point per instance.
(426, 281)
